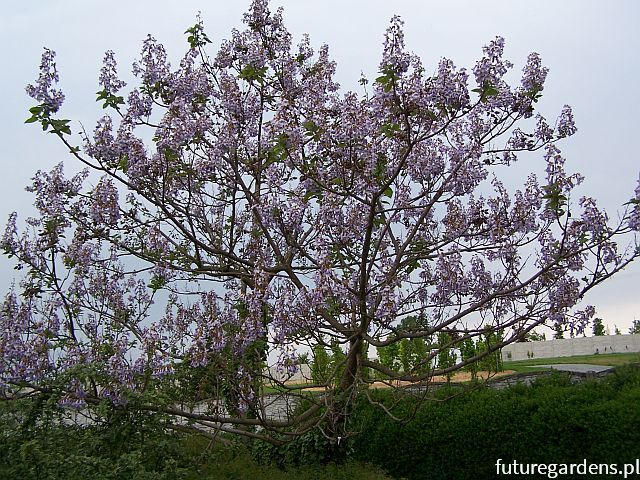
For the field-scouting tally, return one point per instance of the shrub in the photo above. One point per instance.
(550, 422)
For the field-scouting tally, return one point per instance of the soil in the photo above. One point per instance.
(458, 377)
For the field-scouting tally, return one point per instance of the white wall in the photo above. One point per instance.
(302, 375)
(572, 346)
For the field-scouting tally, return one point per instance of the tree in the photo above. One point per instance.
(389, 356)
(320, 365)
(446, 355)
(468, 350)
(535, 337)
(240, 206)
(598, 327)
(635, 327)
(558, 331)
(492, 362)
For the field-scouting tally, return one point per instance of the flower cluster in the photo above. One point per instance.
(492, 67)
(109, 75)
(43, 90)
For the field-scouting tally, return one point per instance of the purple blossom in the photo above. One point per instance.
(491, 68)
(108, 74)
(533, 74)
(634, 217)
(565, 126)
(153, 66)
(543, 132)
(451, 85)
(42, 91)
(105, 209)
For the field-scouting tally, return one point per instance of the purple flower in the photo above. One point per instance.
(565, 125)
(534, 74)
(42, 91)
(634, 216)
(491, 68)
(108, 74)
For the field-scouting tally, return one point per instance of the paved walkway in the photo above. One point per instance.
(578, 367)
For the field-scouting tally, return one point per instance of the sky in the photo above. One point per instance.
(589, 47)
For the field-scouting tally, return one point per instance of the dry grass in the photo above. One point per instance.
(459, 377)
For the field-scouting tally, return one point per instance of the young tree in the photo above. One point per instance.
(389, 356)
(320, 365)
(558, 331)
(598, 327)
(446, 355)
(240, 205)
(491, 362)
(535, 337)
(468, 350)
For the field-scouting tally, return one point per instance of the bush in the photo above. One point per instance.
(35, 444)
(551, 422)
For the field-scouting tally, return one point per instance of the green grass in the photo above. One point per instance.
(268, 389)
(614, 359)
(230, 463)
(242, 467)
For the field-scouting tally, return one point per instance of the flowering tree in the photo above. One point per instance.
(240, 207)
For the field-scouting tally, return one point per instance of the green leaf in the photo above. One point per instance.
(157, 282)
(312, 130)
(381, 167)
(251, 73)
(556, 201)
(413, 266)
(388, 192)
(389, 129)
(490, 91)
(197, 37)
(486, 91)
(58, 126)
(387, 79)
(124, 164)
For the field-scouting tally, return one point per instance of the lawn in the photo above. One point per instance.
(614, 359)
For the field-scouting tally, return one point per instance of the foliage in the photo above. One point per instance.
(551, 422)
(468, 350)
(446, 356)
(34, 445)
(311, 448)
(558, 331)
(598, 327)
(492, 362)
(409, 355)
(240, 205)
(635, 327)
(535, 337)
(389, 356)
(321, 365)
(128, 451)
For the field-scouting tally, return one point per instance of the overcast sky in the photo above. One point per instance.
(590, 47)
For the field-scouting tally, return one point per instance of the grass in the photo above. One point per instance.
(614, 359)
(231, 463)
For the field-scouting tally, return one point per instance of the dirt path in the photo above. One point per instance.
(458, 377)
